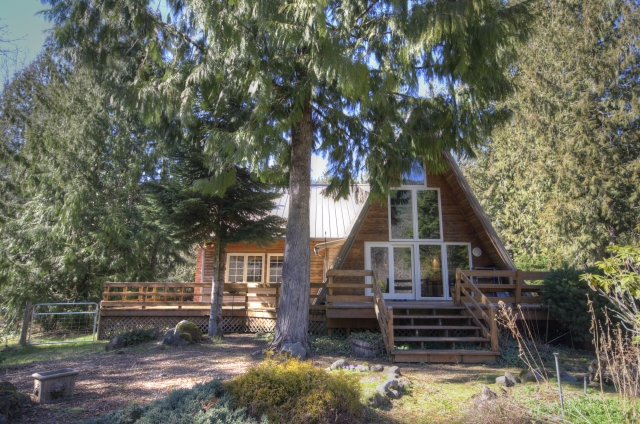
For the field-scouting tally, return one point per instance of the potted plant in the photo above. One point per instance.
(366, 344)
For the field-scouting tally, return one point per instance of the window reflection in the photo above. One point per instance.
(401, 214)
(431, 271)
(457, 257)
(428, 215)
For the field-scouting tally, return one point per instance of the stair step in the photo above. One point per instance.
(431, 317)
(440, 339)
(435, 327)
(446, 352)
(427, 308)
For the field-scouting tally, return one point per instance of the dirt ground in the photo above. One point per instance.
(109, 381)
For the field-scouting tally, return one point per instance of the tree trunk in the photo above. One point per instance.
(293, 311)
(217, 288)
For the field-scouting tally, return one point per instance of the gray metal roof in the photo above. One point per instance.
(328, 218)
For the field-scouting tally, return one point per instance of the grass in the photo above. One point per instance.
(73, 348)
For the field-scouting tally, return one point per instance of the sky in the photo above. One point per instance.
(30, 31)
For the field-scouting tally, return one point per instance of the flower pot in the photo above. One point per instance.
(363, 349)
(52, 386)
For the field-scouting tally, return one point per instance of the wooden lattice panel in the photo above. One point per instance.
(112, 326)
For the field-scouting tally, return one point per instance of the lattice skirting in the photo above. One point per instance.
(112, 326)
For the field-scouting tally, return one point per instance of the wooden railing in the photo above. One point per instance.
(468, 291)
(237, 296)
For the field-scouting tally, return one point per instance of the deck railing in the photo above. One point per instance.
(471, 290)
(236, 296)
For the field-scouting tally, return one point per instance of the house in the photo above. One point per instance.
(430, 226)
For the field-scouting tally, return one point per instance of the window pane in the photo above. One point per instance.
(254, 269)
(415, 176)
(431, 271)
(236, 269)
(457, 257)
(401, 214)
(402, 270)
(428, 215)
(380, 266)
(275, 269)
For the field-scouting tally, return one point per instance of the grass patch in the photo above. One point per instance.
(297, 392)
(331, 345)
(19, 355)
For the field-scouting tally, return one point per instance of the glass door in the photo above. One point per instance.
(431, 272)
(394, 269)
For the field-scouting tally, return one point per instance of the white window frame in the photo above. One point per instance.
(246, 264)
(268, 273)
(414, 212)
(415, 248)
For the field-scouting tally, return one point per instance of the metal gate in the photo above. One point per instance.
(53, 323)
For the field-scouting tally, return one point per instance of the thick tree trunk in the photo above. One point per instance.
(217, 288)
(293, 311)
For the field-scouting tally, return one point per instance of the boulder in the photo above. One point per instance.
(487, 395)
(512, 378)
(257, 353)
(362, 368)
(389, 388)
(11, 401)
(376, 368)
(172, 338)
(295, 350)
(185, 327)
(403, 383)
(566, 378)
(340, 363)
(395, 370)
(118, 342)
(504, 381)
(533, 377)
(379, 400)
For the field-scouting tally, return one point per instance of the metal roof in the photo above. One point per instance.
(328, 218)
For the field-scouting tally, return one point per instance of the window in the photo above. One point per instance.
(457, 257)
(244, 268)
(275, 268)
(415, 176)
(414, 214)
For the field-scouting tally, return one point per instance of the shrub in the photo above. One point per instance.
(297, 392)
(566, 296)
(375, 339)
(204, 403)
(137, 336)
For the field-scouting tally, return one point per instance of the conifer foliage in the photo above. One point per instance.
(342, 78)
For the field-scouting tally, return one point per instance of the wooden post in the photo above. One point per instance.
(25, 323)
(495, 346)
(330, 284)
(518, 287)
(390, 331)
(456, 295)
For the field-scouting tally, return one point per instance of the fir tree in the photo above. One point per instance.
(342, 78)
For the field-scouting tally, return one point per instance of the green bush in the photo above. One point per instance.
(203, 404)
(138, 336)
(567, 295)
(297, 392)
(191, 330)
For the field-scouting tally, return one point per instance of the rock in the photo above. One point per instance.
(389, 388)
(11, 401)
(376, 368)
(185, 328)
(362, 368)
(340, 363)
(487, 395)
(172, 338)
(533, 377)
(257, 353)
(118, 342)
(395, 370)
(564, 377)
(403, 383)
(379, 400)
(503, 381)
(295, 350)
(512, 378)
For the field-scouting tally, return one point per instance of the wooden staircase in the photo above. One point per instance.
(436, 332)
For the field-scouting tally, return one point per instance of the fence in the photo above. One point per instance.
(53, 323)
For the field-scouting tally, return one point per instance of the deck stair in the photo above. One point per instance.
(436, 332)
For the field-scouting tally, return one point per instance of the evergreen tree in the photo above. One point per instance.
(241, 214)
(342, 78)
(562, 179)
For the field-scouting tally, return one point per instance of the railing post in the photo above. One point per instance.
(518, 287)
(390, 329)
(456, 296)
(330, 284)
(493, 325)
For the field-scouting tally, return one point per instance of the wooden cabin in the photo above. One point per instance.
(427, 270)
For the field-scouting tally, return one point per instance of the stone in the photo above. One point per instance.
(486, 395)
(389, 388)
(340, 363)
(566, 378)
(379, 400)
(395, 370)
(533, 377)
(185, 328)
(376, 368)
(172, 338)
(404, 383)
(512, 378)
(12, 402)
(257, 353)
(295, 350)
(362, 368)
(118, 342)
(504, 381)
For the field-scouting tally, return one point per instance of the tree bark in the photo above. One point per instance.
(217, 288)
(293, 311)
